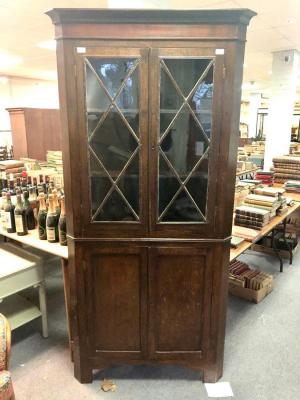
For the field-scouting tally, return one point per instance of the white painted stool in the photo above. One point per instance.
(19, 269)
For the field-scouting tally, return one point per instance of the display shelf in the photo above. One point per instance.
(18, 310)
(32, 239)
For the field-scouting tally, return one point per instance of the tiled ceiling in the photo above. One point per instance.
(24, 25)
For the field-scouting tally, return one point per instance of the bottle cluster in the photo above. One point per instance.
(27, 205)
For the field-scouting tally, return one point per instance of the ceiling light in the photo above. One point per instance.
(47, 44)
(291, 20)
(7, 60)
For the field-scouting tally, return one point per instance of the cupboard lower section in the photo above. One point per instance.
(161, 303)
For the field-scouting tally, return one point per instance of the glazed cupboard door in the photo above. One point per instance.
(111, 85)
(186, 91)
(116, 301)
(179, 298)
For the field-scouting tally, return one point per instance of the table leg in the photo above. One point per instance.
(43, 308)
(276, 251)
(65, 269)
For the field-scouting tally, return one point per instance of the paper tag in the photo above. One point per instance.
(51, 233)
(81, 50)
(19, 223)
(220, 51)
(8, 220)
(219, 389)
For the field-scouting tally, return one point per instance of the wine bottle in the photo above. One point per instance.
(12, 185)
(56, 202)
(62, 225)
(42, 216)
(24, 181)
(3, 216)
(33, 202)
(4, 182)
(28, 211)
(52, 221)
(9, 214)
(20, 217)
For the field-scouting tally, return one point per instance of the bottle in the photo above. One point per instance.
(42, 216)
(28, 212)
(9, 214)
(24, 181)
(62, 226)
(12, 185)
(52, 222)
(56, 202)
(3, 216)
(18, 184)
(4, 182)
(20, 217)
(33, 202)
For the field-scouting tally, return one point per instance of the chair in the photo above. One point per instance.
(6, 387)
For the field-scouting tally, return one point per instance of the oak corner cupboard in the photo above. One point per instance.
(150, 105)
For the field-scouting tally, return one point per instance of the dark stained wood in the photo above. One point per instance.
(149, 292)
(34, 131)
(176, 287)
(137, 16)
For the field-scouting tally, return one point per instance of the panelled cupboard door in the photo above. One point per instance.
(116, 301)
(185, 107)
(179, 298)
(112, 86)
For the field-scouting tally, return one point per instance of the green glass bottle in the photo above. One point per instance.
(9, 214)
(28, 211)
(52, 221)
(42, 216)
(20, 217)
(62, 225)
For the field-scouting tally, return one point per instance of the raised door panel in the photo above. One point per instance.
(112, 86)
(117, 282)
(179, 293)
(186, 107)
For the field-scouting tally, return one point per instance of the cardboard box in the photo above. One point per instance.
(255, 296)
(265, 249)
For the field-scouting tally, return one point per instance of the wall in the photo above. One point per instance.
(24, 92)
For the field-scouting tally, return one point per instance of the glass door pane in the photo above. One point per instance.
(186, 95)
(112, 114)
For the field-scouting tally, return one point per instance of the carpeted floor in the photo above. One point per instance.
(262, 356)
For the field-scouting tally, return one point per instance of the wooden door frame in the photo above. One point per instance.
(182, 229)
(112, 229)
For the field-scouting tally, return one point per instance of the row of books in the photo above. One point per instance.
(260, 207)
(292, 186)
(266, 177)
(241, 274)
(286, 168)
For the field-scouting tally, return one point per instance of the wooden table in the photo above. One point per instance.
(234, 253)
(55, 249)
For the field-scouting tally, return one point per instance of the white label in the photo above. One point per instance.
(8, 220)
(220, 51)
(81, 50)
(19, 223)
(50, 233)
(3, 219)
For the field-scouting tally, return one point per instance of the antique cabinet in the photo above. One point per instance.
(150, 105)
(34, 131)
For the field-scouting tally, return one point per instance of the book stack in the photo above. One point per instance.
(286, 168)
(240, 274)
(251, 217)
(54, 160)
(292, 186)
(270, 191)
(266, 177)
(269, 203)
